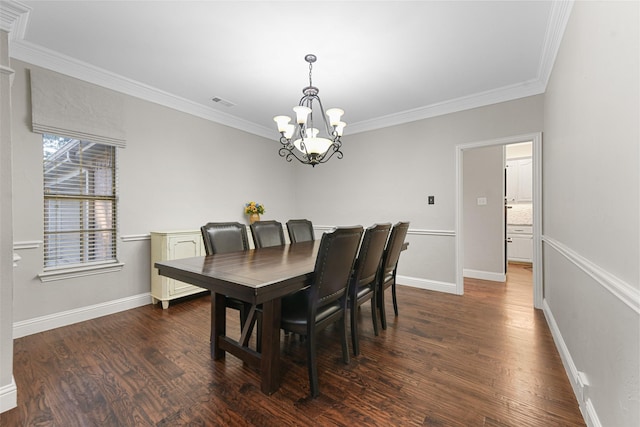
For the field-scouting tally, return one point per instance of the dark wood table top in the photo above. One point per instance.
(254, 276)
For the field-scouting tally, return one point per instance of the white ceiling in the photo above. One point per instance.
(383, 62)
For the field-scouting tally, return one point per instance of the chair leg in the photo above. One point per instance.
(374, 315)
(345, 340)
(383, 316)
(354, 331)
(312, 365)
(395, 301)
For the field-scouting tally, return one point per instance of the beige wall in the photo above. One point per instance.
(177, 172)
(387, 175)
(483, 176)
(591, 164)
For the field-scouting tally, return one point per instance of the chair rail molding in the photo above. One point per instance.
(135, 237)
(619, 288)
(421, 232)
(27, 244)
(412, 231)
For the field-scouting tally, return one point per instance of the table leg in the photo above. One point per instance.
(218, 323)
(270, 356)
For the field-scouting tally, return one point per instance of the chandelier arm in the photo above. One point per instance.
(288, 154)
(335, 150)
(307, 101)
(288, 150)
(330, 130)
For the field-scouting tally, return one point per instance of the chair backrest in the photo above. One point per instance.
(334, 264)
(369, 256)
(300, 230)
(267, 233)
(220, 237)
(394, 247)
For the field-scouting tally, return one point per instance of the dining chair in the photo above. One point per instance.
(388, 268)
(300, 230)
(222, 237)
(364, 280)
(325, 301)
(267, 233)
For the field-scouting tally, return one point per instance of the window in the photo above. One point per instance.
(79, 202)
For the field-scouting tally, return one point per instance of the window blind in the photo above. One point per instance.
(79, 202)
(62, 105)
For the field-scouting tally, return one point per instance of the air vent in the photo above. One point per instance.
(222, 101)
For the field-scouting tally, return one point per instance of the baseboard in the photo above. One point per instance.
(8, 396)
(484, 275)
(431, 285)
(586, 406)
(64, 318)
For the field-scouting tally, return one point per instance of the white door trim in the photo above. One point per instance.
(536, 138)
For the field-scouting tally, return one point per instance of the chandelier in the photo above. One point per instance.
(304, 141)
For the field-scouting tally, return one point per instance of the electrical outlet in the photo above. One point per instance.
(583, 384)
(431, 200)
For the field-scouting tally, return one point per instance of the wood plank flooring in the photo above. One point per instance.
(483, 359)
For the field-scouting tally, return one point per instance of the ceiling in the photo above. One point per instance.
(383, 62)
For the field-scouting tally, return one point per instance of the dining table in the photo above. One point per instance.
(260, 277)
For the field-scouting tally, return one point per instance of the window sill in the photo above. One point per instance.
(88, 270)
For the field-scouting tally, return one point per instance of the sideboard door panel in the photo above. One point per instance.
(167, 246)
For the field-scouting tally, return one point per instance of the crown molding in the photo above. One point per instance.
(558, 19)
(45, 58)
(508, 93)
(14, 17)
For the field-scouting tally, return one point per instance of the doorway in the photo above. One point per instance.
(536, 213)
(518, 204)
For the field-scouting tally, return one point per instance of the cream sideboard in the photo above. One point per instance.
(173, 245)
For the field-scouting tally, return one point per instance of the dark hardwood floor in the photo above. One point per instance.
(483, 359)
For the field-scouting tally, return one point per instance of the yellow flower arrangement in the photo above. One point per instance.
(253, 208)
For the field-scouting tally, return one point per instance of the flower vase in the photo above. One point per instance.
(254, 217)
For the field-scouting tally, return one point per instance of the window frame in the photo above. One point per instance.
(86, 267)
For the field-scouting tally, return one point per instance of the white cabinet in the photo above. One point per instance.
(520, 243)
(168, 246)
(520, 180)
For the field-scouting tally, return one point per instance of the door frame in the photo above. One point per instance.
(536, 153)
